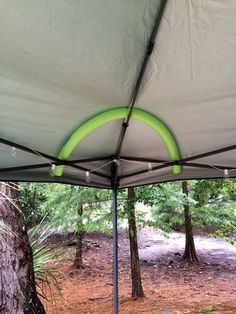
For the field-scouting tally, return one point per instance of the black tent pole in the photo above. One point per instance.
(141, 73)
(115, 252)
(114, 165)
(114, 185)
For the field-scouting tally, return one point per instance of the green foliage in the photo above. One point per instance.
(64, 204)
(31, 198)
(226, 222)
(212, 215)
(43, 254)
(166, 201)
(217, 191)
(216, 206)
(211, 203)
(205, 190)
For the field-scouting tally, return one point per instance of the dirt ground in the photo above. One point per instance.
(169, 284)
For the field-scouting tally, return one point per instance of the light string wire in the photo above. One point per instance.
(43, 157)
(52, 164)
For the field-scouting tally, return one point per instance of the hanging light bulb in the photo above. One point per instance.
(88, 178)
(13, 152)
(150, 167)
(226, 174)
(116, 161)
(52, 171)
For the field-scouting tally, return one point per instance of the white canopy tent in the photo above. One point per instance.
(87, 98)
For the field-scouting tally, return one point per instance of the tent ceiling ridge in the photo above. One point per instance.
(140, 77)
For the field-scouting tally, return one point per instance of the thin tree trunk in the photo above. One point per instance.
(78, 263)
(34, 199)
(33, 209)
(190, 254)
(137, 289)
(17, 282)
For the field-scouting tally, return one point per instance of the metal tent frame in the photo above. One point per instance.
(114, 178)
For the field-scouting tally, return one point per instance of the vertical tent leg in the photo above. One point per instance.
(115, 252)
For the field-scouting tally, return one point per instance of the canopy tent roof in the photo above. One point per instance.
(88, 69)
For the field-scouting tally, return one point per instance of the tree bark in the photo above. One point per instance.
(78, 263)
(190, 254)
(17, 282)
(137, 289)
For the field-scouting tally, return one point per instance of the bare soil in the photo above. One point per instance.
(168, 282)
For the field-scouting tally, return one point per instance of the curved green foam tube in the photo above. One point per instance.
(119, 113)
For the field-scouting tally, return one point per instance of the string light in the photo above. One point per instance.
(52, 171)
(13, 152)
(88, 178)
(226, 174)
(150, 167)
(116, 161)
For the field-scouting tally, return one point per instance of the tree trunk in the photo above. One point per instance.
(190, 254)
(78, 263)
(137, 289)
(17, 283)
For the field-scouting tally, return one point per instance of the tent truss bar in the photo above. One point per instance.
(54, 160)
(171, 163)
(155, 161)
(210, 153)
(71, 163)
(216, 167)
(46, 165)
(27, 149)
(167, 164)
(183, 160)
(80, 161)
(25, 167)
(134, 95)
(136, 173)
(164, 164)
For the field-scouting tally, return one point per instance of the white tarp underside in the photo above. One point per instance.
(63, 61)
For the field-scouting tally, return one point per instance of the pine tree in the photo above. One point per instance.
(137, 289)
(17, 285)
(190, 252)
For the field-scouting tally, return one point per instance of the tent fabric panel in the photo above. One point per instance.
(190, 80)
(62, 62)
